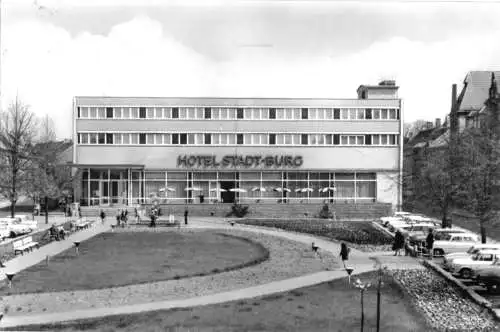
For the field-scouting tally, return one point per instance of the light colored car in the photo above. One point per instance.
(441, 233)
(4, 232)
(413, 230)
(450, 258)
(385, 221)
(456, 242)
(25, 220)
(489, 276)
(14, 226)
(467, 267)
(416, 219)
(402, 214)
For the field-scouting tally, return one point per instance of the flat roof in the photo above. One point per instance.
(231, 102)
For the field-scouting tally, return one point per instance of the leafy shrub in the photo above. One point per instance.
(238, 210)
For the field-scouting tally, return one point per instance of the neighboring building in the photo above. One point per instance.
(133, 150)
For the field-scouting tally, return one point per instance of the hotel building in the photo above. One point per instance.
(135, 150)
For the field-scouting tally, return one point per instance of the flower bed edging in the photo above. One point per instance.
(478, 299)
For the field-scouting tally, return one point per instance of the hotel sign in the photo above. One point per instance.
(250, 161)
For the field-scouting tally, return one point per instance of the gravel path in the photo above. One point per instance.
(288, 259)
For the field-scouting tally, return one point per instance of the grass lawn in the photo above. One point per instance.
(122, 258)
(359, 234)
(328, 307)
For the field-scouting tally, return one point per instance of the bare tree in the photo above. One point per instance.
(17, 130)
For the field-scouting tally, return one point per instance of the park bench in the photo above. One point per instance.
(25, 244)
(82, 224)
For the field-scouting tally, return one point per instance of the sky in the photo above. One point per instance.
(53, 50)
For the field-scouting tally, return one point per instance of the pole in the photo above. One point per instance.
(46, 199)
(378, 301)
(362, 311)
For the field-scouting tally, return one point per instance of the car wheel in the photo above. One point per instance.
(465, 273)
(438, 252)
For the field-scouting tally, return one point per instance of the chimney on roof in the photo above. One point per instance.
(438, 123)
(453, 112)
(429, 125)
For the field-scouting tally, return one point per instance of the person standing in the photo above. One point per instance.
(186, 216)
(344, 252)
(430, 242)
(103, 216)
(399, 242)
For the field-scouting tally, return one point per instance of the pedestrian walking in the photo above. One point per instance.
(103, 216)
(118, 218)
(430, 243)
(344, 252)
(186, 216)
(399, 242)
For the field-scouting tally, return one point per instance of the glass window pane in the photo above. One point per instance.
(231, 139)
(247, 139)
(247, 113)
(200, 112)
(344, 139)
(93, 112)
(280, 139)
(352, 113)
(134, 112)
(321, 139)
(223, 139)
(352, 140)
(126, 138)
(224, 114)
(383, 139)
(361, 114)
(366, 189)
(134, 138)
(84, 138)
(191, 113)
(150, 112)
(376, 113)
(360, 140)
(264, 139)
(329, 114)
(158, 139)
(117, 138)
(392, 114)
(375, 139)
(383, 114)
(288, 140)
(118, 112)
(167, 139)
(126, 112)
(102, 112)
(366, 176)
(84, 112)
(328, 139)
(190, 139)
(345, 114)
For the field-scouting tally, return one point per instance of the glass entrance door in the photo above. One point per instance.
(104, 192)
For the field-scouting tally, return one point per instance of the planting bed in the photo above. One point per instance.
(444, 306)
(361, 235)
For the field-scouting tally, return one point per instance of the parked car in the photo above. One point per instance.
(4, 232)
(489, 276)
(416, 230)
(455, 242)
(417, 219)
(25, 220)
(14, 226)
(385, 221)
(466, 267)
(475, 249)
(441, 233)
(402, 214)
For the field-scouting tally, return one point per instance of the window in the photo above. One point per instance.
(208, 113)
(288, 139)
(272, 113)
(78, 108)
(183, 138)
(272, 139)
(375, 139)
(126, 113)
(125, 138)
(361, 114)
(345, 114)
(101, 138)
(352, 113)
(134, 112)
(109, 112)
(288, 113)
(280, 139)
(191, 113)
(118, 113)
(329, 113)
(85, 112)
(239, 139)
(79, 138)
(368, 139)
(304, 139)
(150, 139)
(109, 138)
(305, 113)
(239, 113)
(328, 139)
(336, 139)
(336, 113)
(208, 139)
(190, 139)
(352, 140)
(159, 113)
(142, 112)
(392, 114)
(93, 112)
(158, 139)
(216, 139)
(85, 138)
(102, 112)
(397, 115)
(383, 114)
(383, 139)
(93, 138)
(376, 114)
(314, 113)
(150, 113)
(392, 139)
(175, 114)
(368, 114)
(344, 139)
(360, 140)
(142, 138)
(167, 139)
(175, 138)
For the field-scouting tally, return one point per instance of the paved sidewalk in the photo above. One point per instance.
(21, 262)
(361, 262)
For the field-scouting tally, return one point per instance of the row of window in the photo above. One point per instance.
(218, 113)
(235, 139)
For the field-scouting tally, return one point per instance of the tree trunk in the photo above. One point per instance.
(482, 221)
(46, 208)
